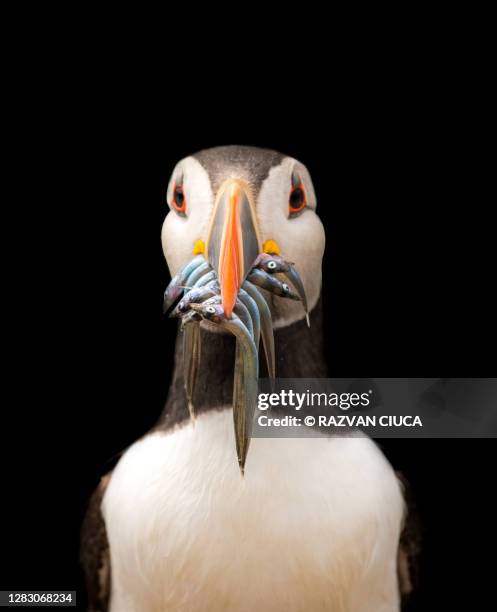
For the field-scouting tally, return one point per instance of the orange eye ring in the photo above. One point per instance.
(297, 200)
(178, 200)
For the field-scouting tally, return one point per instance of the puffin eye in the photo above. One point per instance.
(272, 265)
(210, 310)
(178, 199)
(297, 200)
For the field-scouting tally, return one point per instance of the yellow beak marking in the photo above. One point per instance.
(271, 247)
(199, 247)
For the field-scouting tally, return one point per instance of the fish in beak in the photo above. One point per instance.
(222, 285)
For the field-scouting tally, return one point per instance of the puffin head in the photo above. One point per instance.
(232, 203)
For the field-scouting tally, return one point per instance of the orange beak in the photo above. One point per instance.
(233, 242)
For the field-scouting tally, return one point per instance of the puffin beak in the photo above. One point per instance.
(233, 242)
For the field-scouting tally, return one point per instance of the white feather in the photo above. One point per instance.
(313, 525)
(179, 233)
(301, 239)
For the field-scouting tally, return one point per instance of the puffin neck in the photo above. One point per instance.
(299, 354)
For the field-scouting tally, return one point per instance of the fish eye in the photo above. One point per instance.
(210, 310)
(178, 199)
(272, 265)
(285, 287)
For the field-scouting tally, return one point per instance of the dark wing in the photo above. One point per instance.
(95, 557)
(410, 543)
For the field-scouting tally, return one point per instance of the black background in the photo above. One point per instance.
(407, 283)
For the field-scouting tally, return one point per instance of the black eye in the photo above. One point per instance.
(179, 202)
(297, 200)
(179, 197)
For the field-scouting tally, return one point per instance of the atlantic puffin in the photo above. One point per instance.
(309, 523)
